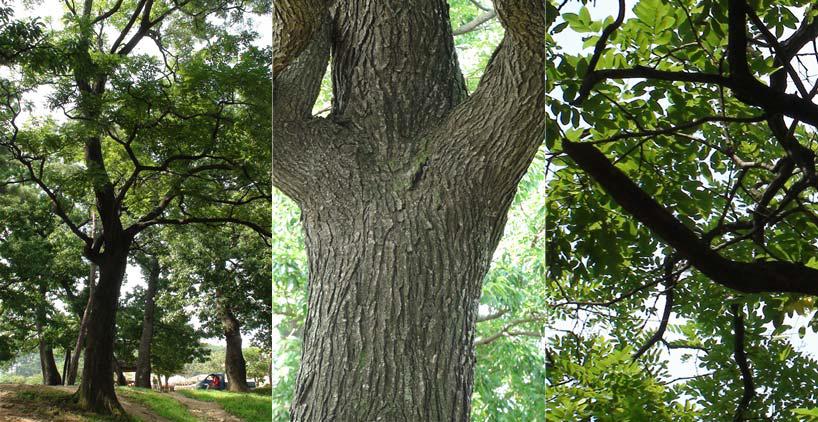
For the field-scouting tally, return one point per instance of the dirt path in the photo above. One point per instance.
(204, 410)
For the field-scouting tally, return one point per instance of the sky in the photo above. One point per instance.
(572, 42)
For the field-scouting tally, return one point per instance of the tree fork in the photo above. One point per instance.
(404, 191)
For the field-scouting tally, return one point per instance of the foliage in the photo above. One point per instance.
(231, 263)
(175, 341)
(607, 273)
(258, 363)
(34, 273)
(141, 114)
(606, 384)
(214, 362)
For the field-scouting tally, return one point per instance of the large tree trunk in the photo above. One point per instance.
(234, 363)
(404, 191)
(392, 308)
(143, 361)
(96, 390)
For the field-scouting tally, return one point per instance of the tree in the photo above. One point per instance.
(34, 275)
(403, 191)
(172, 138)
(681, 196)
(258, 363)
(227, 272)
(174, 343)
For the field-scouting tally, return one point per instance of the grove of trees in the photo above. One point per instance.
(130, 130)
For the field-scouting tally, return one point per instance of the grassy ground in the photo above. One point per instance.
(250, 407)
(159, 403)
(56, 405)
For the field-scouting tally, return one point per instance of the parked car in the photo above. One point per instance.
(209, 381)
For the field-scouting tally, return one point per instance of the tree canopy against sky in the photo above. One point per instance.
(681, 209)
(403, 190)
(157, 113)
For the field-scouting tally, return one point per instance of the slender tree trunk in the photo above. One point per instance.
(96, 390)
(143, 361)
(65, 365)
(83, 329)
(234, 364)
(120, 376)
(51, 376)
(73, 368)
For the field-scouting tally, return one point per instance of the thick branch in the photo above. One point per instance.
(497, 150)
(524, 22)
(295, 23)
(642, 72)
(263, 231)
(805, 33)
(298, 139)
(758, 276)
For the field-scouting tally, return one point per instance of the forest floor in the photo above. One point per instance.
(36, 403)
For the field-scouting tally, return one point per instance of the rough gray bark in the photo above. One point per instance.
(96, 391)
(234, 364)
(404, 191)
(143, 360)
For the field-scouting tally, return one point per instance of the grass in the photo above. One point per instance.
(250, 407)
(263, 391)
(159, 403)
(52, 404)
